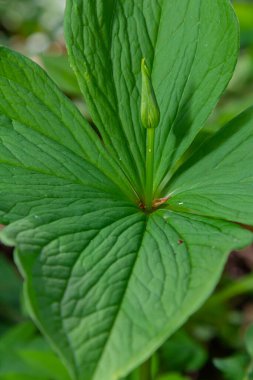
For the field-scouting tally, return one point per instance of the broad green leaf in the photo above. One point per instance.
(107, 282)
(35, 170)
(192, 56)
(30, 98)
(218, 180)
(99, 280)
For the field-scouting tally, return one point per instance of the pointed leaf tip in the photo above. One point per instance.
(150, 113)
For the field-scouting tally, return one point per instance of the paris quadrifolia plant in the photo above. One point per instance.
(121, 232)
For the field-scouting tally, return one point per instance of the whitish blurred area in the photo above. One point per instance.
(32, 26)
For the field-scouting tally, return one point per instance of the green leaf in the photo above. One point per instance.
(106, 281)
(58, 68)
(15, 376)
(41, 169)
(249, 341)
(182, 353)
(29, 98)
(234, 367)
(217, 181)
(98, 280)
(172, 376)
(192, 57)
(18, 335)
(150, 114)
(10, 289)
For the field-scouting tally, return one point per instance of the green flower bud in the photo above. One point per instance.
(150, 113)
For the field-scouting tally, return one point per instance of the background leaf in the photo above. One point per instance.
(234, 368)
(249, 341)
(25, 354)
(10, 289)
(58, 68)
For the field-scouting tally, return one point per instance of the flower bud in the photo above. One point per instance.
(150, 114)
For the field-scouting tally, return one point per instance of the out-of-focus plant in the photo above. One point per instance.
(240, 365)
(25, 355)
(31, 26)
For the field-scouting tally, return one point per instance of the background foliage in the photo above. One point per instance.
(217, 342)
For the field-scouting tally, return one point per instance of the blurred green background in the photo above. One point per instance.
(217, 342)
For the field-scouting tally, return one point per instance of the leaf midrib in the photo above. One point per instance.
(122, 300)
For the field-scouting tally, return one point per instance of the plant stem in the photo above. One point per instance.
(149, 167)
(145, 370)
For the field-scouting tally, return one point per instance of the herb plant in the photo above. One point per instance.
(122, 232)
